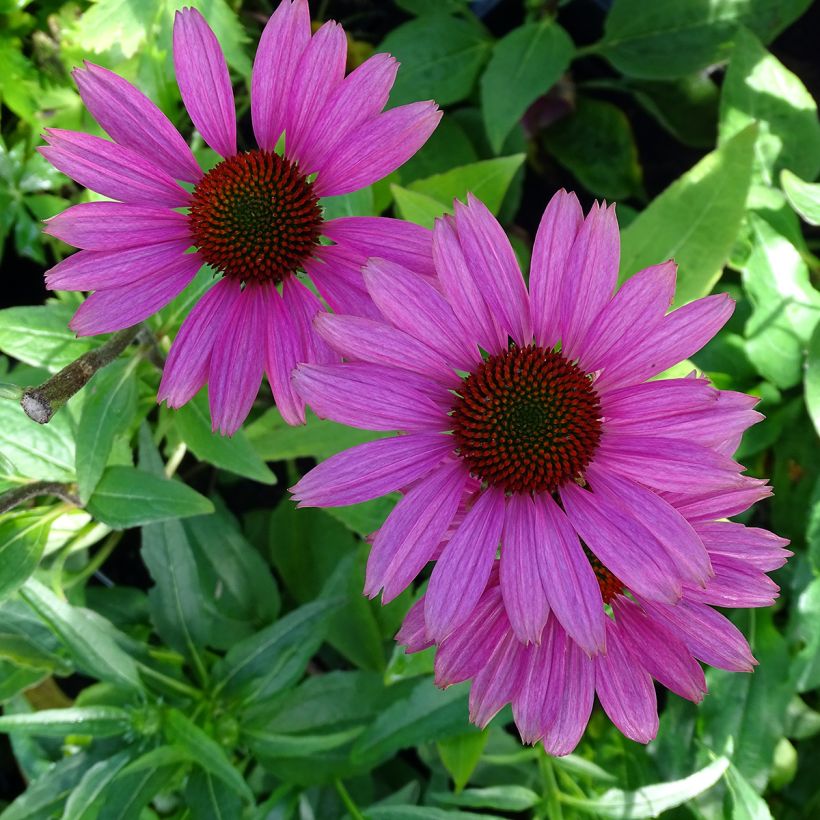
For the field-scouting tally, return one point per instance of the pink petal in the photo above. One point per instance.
(283, 40)
(736, 584)
(113, 309)
(550, 254)
(625, 689)
(405, 243)
(462, 571)
(462, 290)
(336, 272)
(413, 530)
(283, 350)
(320, 70)
(132, 120)
(304, 308)
(376, 148)
(100, 226)
(679, 539)
(204, 82)
(622, 544)
(756, 547)
(186, 368)
(413, 632)
(591, 275)
(238, 361)
(371, 469)
(90, 270)
(372, 397)
(500, 680)
(413, 305)
(621, 325)
(522, 557)
(494, 268)
(663, 655)
(111, 169)
(357, 99)
(569, 580)
(698, 507)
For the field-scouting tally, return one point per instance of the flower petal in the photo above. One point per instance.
(550, 253)
(204, 82)
(701, 506)
(736, 584)
(376, 148)
(336, 271)
(132, 120)
(462, 571)
(283, 40)
(372, 469)
(755, 547)
(500, 681)
(100, 226)
(413, 632)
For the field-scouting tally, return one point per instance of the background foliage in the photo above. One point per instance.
(177, 641)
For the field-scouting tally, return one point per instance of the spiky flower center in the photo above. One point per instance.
(527, 420)
(254, 217)
(608, 583)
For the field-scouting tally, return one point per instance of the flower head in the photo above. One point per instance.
(528, 422)
(255, 218)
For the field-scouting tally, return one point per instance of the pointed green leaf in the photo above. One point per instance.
(97, 721)
(23, 537)
(803, 196)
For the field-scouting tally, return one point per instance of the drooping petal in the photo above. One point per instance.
(462, 571)
(132, 120)
(736, 584)
(320, 70)
(100, 226)
(494, 268)
(710, 636)
(500, 680)
(186, 368)
(682, 543)
(569, 579)
(625, 689)
(413, 632)
(416, 307)
(283, 40)
(756, 547)
(622, 544)
(90, 270)
(357, 99)
(366, 340)
(550, 253)
(304, 308)
(413, 530)
(371, 469)
(204, 82)
(462, 290)
(113, 309)
(376, 148)
(662, 654)
(643, 299)
(591, 275)
(371, 396)
(395, 240)
(111, 169)
(701, 506)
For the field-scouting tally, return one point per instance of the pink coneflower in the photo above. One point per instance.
(551, 684)
(539, 400)
(256, 217)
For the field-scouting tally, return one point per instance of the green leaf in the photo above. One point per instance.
(650, 801)
(23, 537)
(525, 64)
(669, 39)
(419, 7)
(448, 146)
(695, 220)
(203, 750)
(759, 88)
(40, 336)
(440, 58)
(126, 497)
(44, 798)
(785, 306)
(803, 196)
(504, 798)
(747, 804)
(427, 714)
(116, 22)
(209, 799)
(86, 799)
(97, 721)
(419, 208)
(812, 383)
(269, 745)
(90, 639)
(596, 144)
(804, 631)
(460, 755)
(236, 453)
(108, 410)
(133, 789)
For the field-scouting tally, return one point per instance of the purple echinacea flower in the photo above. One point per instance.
(256, 218)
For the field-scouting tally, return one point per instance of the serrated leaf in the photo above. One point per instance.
(127, 497)
(694, 221)
(525, 64)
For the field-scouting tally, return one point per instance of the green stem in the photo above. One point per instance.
(11, 498)
(172, 683)
(100, 557)
(348, 800)
(553, 794)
